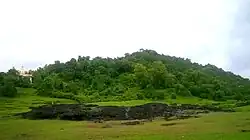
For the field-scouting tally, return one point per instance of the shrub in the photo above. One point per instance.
(173, 96)
(140, 96)
(128, 95)
(238, 96)
(62, 95)
(8, 90)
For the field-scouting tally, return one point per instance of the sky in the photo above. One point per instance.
(34, 33)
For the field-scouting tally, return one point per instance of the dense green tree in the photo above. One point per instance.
(139, 75)
(142, 75)
(8, 90)
(46, 88)
(145, 70)
(7, 84)
(158, 75)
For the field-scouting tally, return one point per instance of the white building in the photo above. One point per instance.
(25, 73)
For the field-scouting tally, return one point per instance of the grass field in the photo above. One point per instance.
(213, 126)
(216, 126)
(20, 104)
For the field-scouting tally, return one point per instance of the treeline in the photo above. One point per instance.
(10, 80)
(141, 75)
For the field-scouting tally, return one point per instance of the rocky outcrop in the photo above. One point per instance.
(95, 112)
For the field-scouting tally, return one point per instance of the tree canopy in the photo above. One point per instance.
(142, 74)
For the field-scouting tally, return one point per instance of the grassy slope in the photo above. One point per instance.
(209, 127)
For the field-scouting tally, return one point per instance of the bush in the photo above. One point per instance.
(238, 97)
(203, 96)
(185, 92)
(242, 103)
(173, 96)
(44, 92)
(62, 95)
(8, 90)
(219, 96)
(129, 95)
(140, 96)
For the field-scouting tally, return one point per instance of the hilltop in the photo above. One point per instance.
(144, 74)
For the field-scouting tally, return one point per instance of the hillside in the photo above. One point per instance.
(129, 83)
(141, 75)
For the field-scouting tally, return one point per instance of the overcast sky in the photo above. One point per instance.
(34, 33)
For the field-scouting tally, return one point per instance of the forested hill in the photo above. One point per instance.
(140, 75)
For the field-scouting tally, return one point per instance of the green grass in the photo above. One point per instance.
(189, 100)
(243, 109)
(123, 103)
(9, 106)
(26, 91)
(26, 99)
(213, 126)
(179, 100)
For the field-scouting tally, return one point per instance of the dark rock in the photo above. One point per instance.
(146, 111)
(102, 113)
(98, 121)
(111, 113)
(133, 122)
(196, 116)
(244, 130)
(107, 126)
(202, 112)
(168, 124)
(215, 104)
(183, 116)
